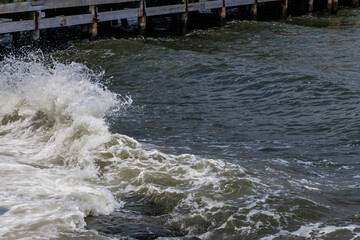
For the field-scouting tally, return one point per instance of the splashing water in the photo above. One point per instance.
(60, 163)
(52, 117)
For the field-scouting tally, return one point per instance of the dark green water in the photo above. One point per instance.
(269, 112)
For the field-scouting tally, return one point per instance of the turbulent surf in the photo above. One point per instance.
(249, 138)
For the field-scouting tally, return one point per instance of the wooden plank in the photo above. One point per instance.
(18, 7)
(235, 3)
(205, 5)
(120, 14)
(164, 10)
(52, 4)
(265, 1)
(18, 26)
(65, 21)
(61, 21)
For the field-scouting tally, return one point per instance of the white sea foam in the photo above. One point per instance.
(59, 159)
(318, 231)
(52, 116)
(60, 163)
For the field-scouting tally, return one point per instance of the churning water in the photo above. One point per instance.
(250, 131)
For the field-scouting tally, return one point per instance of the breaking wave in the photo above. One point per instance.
(51, 120)
(60, 163)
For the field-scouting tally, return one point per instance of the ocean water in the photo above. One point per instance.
(249, 131)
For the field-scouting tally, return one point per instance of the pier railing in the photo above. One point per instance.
(34, 15)
(43, 14)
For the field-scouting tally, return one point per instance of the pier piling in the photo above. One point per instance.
(222, 20)
(356, 3)
(95, 16)
(36, 32)
(142, 19)
(335, 6)
(311, 6)
(255, 13)
(183, 21)
(94, 27)
(329, 6)
(124, 22)
(85, 31)
(222, 15)
(285, 4)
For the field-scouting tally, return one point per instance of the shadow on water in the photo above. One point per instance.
(140, 219)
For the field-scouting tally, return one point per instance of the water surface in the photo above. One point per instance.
(250, 131)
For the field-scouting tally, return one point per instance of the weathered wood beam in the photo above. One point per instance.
(119, 14)
(223, 14)
(265, 1)
(205, 5)
(36, 32)
(53, 4)
(65, 21)
(93, 17)
(184, 19)
(183, 23)
(95, 20)
(142, 19)
(235, 3)
(165, 10)
(311, 6)
(255, 13)
(285, 4)
(18, 26)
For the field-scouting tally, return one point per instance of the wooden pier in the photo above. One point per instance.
(34, 15)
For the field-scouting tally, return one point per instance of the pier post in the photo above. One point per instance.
(356, 3)
(285, 4)
(255, 14)
(16, 35)
(114, 22)
(142, 19)
(311, 6)
(124, 22)
(220, 14)
(223, 15)
(329, 6)
(33, 16)
(94, 27)
(85, 31)
(16, 38)
(335, 4)
(184, 19)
